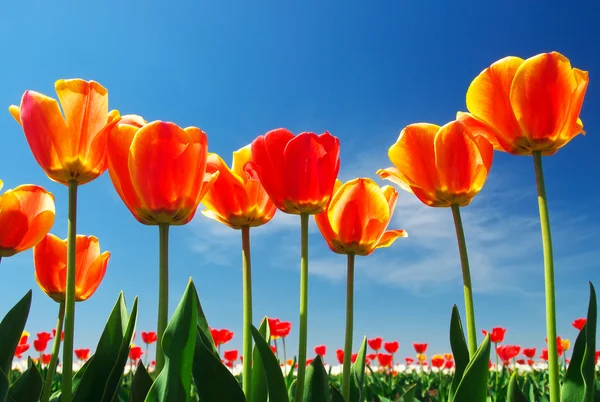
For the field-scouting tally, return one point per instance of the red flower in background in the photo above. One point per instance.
(529, 353)
(149, 337)
(508, 352)
(321, 350)
(497, 334)
(279, 329)
(62, 336)
(544, 355)
(521, 361)
(82, 354)
(448, 356)
(221, 336)
(273, 349)
(230, 355)
(391, 347)
(40, 345)
(385, 360)
(135, 353)
(340, 355)
(420, 348)
(530, 362)
(44, 336)
(449, 364)
(437, 361)
(23, 346)
(597, 356)
(298, 172)
(309, 361)
(353, 358)
(46, 358)
(409, 361)
(375, 343)
(579, 323)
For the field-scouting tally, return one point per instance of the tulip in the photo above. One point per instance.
(529, 352)
(148, 338)
(71, 149)
(23, 346)
(384, 359)
(40, 345)
(444, 167)
(298, 173)
(420, 348)
(46, 358)
(230, 355)
(51, 260)
(135, 353)
(422, 357)
(280, 329)
(391, 347)
(354, 222)
(221, 337)
(579, 323)
(449, 365)
(409, 360)
(26, 215)
(82, 354)
(354, 357)
(321, 350)
(340, 356)
(437, 361)
(138, 150)
(508, 352)
(448, 356)
(531, 107)
(497, 334)
(237, 199)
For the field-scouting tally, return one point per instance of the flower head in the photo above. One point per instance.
(497, 334)
(82, 354)
(375, 343)
(579, 323)
(391, 347)
(149, 337)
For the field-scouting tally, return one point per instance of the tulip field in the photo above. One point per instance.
(163, 175)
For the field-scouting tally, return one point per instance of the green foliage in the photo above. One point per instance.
(275, 381)
(140, 385)
(28, 386)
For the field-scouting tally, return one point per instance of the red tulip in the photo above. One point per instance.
(46, 358)
(62, 336)
(437, 361)
(597, 356)
(40, 345)
(449, 364)
(530, 362)
(309, 361)
(579, 323)
(228, 364)
(375, 343)
(340, 355)
(82, 354)
(298, 172)
(353, 357)
(409, 360)
(274, 349)
(279, 329)
(23, 346)
(135, 352)
(221, 336)
(508, 352)
(149, 337)
(544, 355)
(529, 352)
(44, 336)
(385, 360)
(521, 361)
(420, 348)
(497, 334)
(391, 347)
(321, 350)
(230, 355)
(371, 356)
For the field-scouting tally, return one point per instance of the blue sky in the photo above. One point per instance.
(361, 70)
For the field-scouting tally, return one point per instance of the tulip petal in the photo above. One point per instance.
(50, 260)
(14, 224)
(228, 195)
(94, 275)
(488, 99)
(395, 176)
(480, 128)
(240, 158)
(15, 112)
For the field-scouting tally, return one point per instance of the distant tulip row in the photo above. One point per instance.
(162, 172)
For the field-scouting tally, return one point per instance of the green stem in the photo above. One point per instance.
(553, 369)
(276, 350)
(496, 348)
(466, 274)
(67, 373)
(303, 332)
(55, 351)
(284, 357)
(349, 328)
(247, 302)
(163, 292)
(146, 357)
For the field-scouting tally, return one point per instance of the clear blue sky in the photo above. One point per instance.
(361, 70)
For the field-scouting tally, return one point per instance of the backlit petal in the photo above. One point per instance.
(50, 260)
(240, 158)
(390, 237)
(479, 128)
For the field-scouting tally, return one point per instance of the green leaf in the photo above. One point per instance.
(205, 333)
(101, 375)
(141, 384)
(11, 329)
(290, 378)
(514, 392)
(259, 377)
(336, 395)
(473, 385)
(460, 350)
(28, 387)
(579, 381)
(292, 388)
(357, 374)
(275, 380)
(316, 386)
(178, 343)
(409, 394)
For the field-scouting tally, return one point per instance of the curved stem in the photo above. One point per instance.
(553, 369)
(67, 373)
(54, 359)
(285, 370)
(349, 328)
(247, 303)
(163, 292)
(466, 274)
(303, 332)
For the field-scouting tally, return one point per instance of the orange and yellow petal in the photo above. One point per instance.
(227, 197)
(488, 99)
(50, 260)
(479, 128)
(88, 285)
(240, 158)
(389, 237)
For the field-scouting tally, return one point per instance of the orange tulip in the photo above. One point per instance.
(158, 169)
(529, 105)
(298, 172)
(357, 216)
(237, 198)
(26, 215)
(442, 166)
(72, 147)
(50, 259)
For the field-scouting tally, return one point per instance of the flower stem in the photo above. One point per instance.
(303, 332)
(67, 373)
(349, 328)
(466, 274)
(553, 370)
(55, 350)
(163, 292)
(146, 357)
(284, 356)
(247, 302)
